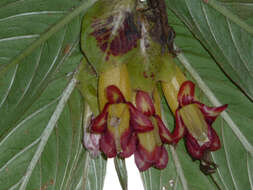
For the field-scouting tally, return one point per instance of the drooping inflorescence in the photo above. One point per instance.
(131, 51)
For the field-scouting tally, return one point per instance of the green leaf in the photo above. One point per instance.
(50, 32)
(96, 168)
(121, 170)
(39, 42)
(227, 37)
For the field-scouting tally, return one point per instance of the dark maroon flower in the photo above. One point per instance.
(150, 150)
(113, 123)
(194, 122)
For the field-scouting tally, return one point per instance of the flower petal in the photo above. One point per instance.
(179, 130)
(128, 146)
(144, 103)
(215, 141)
(186, 93)
(114, 95)
(211, 113)
(107, 145)
(163, 131)
(140, 163)
(118, 123)
(98, 125)
(195, 123)
(139, 121)
(193, 147)
(149, 156)
(91, 143)
(163, 159)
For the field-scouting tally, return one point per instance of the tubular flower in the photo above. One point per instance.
(114, 125)
(150, 150)
(195, 119)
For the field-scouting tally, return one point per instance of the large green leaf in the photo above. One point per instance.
(39, 42)
(39, 50)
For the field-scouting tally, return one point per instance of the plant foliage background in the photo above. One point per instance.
(38, 57)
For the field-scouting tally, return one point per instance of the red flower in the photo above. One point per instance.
(150, 150)
(113, 123)
(194, 121)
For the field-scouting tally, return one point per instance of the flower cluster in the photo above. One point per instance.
(128, 52)
(149, 150)
(127, 129)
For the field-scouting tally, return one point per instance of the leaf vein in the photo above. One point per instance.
(178, 168)
(32, 14)
(20, 37)
(57, 160)
(75, 160)
(218, 170)
(249, 171)
(237, 47)
(227, 159)
(30, 81)
(27, 119)
(9, 89)
(51, 66)
(48, 130)
(13, 187)
(215, 39)
(19, 153)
